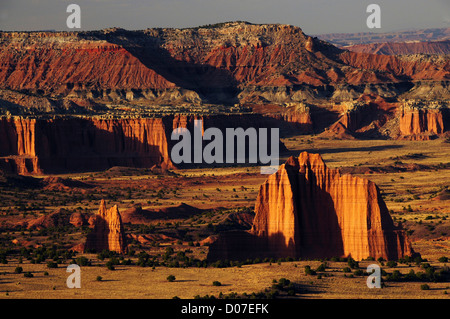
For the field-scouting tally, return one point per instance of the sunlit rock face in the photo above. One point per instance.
(310, 211)
(108, 232)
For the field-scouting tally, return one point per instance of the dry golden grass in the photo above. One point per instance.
(401, 189)
(133, 282)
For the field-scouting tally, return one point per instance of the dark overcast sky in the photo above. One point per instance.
(314, 17)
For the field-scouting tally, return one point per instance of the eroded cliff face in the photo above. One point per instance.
(228, 63)
(423, 123)
(18, 146)
(17, 136)
(107, 232)
(103, 143)
(74, 144)
(370, 116)
(295, 117)
(414, 68)
(308, 210)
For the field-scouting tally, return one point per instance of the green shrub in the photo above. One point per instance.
(171, 278)
(217, 283)
(321, 267)
(28, 274)
(411, 276)
(309, 271)
(51, 264)
(82, 261)
(18, 270)
(110, 265)
(352, 263)
(425, 265)
(358, 272)
(396, 276)
(391, 263)
(443, 259)
(284, 282)
(424, 287)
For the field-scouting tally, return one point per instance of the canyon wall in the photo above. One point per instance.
(423, 123)
(369, 116)
(79, 144)
(295, 117)
(74, 144)
(17, 136)
(18, 146)
(310, 211)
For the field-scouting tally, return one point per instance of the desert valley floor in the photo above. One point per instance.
(413, 177)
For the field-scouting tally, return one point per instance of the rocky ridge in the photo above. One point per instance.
(403, 48)
(224, 63)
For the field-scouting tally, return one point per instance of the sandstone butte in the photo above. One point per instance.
(306, 210)
(108, 232)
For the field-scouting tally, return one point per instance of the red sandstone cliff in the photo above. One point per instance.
(35, 146)
(224, 63)
(74, 144)
(369, 116)
(108, 232)
(393, 68)
(296, 116)
(423, 123)
(17, 136)
(18, 146)
(308, 210)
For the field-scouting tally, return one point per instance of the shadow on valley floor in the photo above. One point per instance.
(307, 290)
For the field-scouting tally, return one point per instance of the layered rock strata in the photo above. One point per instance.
(310, 211)
(225, 63)
(71, 144)
(422, 123)
(75, 144)
(396, 48)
